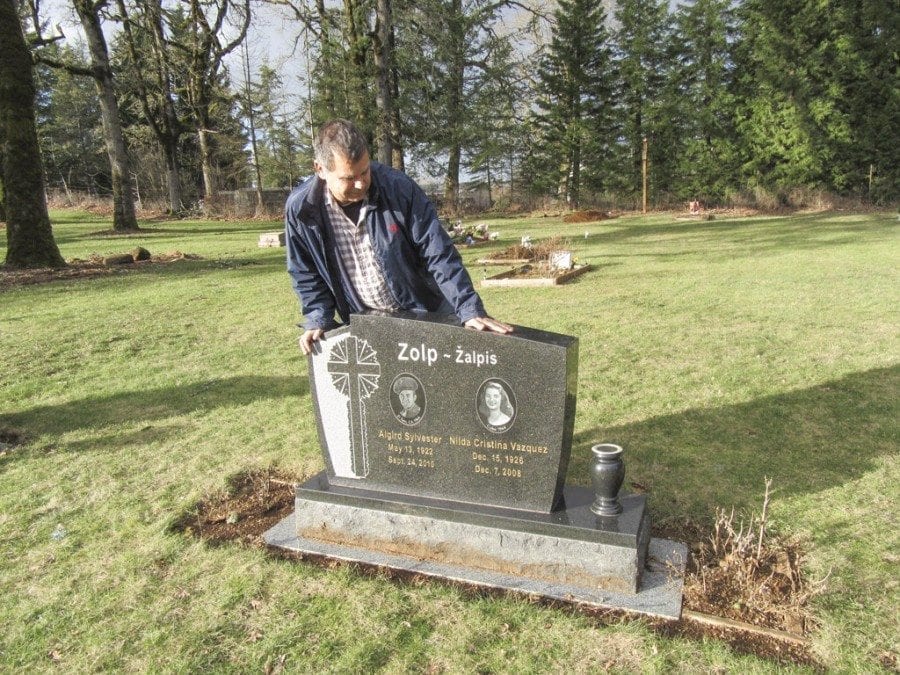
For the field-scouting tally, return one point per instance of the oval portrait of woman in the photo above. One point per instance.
(496, 405)
(407, 399)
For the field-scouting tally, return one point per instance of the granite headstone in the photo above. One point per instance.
(418, 405)
(446, 451)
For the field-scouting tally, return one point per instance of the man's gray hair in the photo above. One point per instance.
(340, 138)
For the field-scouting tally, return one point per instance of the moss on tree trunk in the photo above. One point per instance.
(29, 236)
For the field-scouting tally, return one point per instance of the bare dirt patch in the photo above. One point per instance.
(91, 268)
(253, 503)
(10, 439)
(740, 571)
(763, 589)
(539, 270)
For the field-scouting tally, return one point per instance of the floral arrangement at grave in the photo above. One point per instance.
(471, 235)
(532, 251)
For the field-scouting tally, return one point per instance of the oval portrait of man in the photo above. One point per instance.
(496, 405)
(408, 399)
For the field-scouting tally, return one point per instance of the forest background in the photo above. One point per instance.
(755, 102)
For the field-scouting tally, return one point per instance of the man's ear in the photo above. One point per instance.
(320, 171)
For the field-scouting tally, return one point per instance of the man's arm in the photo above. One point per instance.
(316, 299)
(445, 265)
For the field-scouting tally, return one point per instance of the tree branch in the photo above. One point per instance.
(64, 65)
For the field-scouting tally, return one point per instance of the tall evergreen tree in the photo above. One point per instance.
(574, 93)
(279, 146)
(819, 96)
(866, 70)
(641, 39)
(69, 128)
(496, 139)
(780, 82)
(444, 47)
(706, 155)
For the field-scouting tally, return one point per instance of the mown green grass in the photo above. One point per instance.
(717, 352)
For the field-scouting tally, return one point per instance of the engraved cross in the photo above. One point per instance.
(355, 370)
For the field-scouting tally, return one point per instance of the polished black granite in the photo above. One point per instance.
(417, 405)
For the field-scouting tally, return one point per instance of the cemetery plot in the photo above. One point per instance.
(535, 275)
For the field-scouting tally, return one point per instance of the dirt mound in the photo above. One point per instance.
(95, 266)
(253, 504)
(586, 216)
(753, 593)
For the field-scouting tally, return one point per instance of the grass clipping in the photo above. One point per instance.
(743, 572)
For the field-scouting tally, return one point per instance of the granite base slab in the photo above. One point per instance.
(570, 545)
(660, 593)
(568, 554)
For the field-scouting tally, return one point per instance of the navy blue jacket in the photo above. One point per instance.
(423, 269)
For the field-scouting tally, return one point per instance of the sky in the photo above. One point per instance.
(271, 37)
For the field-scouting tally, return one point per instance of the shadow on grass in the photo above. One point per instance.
(729, 238)
(101, 229)
(150, 405)
(806, 441)
(183, 268)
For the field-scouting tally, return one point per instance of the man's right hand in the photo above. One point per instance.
(308, 338)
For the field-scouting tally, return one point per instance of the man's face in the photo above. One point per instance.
(347, 181)
(407, 398)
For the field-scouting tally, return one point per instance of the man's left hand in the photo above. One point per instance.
(488, 324)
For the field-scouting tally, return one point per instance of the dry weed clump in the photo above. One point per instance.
(538, 251)
(744, 573)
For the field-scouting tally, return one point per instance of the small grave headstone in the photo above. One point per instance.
(271, 240)
(561, 260)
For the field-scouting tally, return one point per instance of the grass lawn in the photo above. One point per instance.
(718, 353)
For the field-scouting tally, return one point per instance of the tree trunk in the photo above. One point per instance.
(123, 190)
(355, 84)
(166, 126)
(451, 182)
(29, 236)
(254, 146)
(205, 54)
(396, 129)
(173, 175)
(384, 99)
(457, 68)
(575, 187)
(172, 127)
(207, 163)
(325, 56)
(397, 160)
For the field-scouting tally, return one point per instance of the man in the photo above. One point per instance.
(407, 390)
(361, 236)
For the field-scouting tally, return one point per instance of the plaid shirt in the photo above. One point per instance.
(358, 256)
